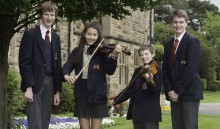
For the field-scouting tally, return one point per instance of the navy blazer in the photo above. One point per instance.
(145, 103)
(183, 75)
(99, 66)
(32, 62)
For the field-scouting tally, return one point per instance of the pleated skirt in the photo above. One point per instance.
(83, 109)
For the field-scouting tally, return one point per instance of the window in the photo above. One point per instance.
(123, 69)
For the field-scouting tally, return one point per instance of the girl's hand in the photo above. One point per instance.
(70, 79)
(116, 51)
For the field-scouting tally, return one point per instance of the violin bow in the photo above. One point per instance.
(87, 62)
(111, 107)
(126, 88)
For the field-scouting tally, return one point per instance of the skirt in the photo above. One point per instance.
(84, 109)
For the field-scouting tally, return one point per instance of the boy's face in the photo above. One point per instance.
(48, 19)
(179, 25)
(146, 56)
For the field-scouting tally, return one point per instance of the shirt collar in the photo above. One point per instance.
(180, 37)
(43, 30)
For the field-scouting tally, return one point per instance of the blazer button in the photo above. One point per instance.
(43, 74)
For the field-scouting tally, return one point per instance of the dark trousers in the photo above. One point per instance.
(185, 114)
(145, 125)
(39, 112)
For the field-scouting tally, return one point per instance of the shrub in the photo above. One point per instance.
(15, 96)
(213, 85)
(67, 100)
(204, 83)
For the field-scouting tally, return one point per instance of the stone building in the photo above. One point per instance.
(131, 32)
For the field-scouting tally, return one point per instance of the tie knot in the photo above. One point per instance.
(176, 41)
(47, 32)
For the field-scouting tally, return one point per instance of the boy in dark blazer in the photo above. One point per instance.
(40, 68)
(181, 74)
(143, 92)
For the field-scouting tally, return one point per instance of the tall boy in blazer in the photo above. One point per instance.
(181, 74)
(40, 68)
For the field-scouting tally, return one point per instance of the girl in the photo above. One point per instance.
(90, 89)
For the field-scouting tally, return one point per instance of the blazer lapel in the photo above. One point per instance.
(40, 41)
(170, 50)
(54, 49)
(182, 45)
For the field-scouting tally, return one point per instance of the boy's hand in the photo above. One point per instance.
(28, 96)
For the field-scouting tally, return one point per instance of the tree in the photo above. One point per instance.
(163, 33)
(163, 11)
(208, 61)
(17, 14)
(197, 12)
(212, 34)
(195, 9)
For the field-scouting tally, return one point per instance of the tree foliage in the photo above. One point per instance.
(197, 12)
(195, 9)
(72, 9)
(212, 34)
(162, 33)
(208, 61)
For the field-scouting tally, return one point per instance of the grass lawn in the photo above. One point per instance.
(205, 122)
(211, 97)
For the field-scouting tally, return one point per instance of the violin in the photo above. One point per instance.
(108, 48)
(151, 69)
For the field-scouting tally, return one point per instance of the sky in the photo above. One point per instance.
(216, 2)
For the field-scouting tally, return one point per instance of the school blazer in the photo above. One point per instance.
(183, 75)
(144, 104)
(99, 66)
(32, 63)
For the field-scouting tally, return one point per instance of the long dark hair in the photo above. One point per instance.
(82, 42)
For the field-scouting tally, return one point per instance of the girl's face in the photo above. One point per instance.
(146, 56)
(91, 36)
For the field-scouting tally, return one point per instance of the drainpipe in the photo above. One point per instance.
(69, 37)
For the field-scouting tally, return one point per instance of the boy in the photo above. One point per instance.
(40, 68)
(144, 92)
(181, 74)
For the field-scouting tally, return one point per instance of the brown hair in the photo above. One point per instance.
(146, 47)
(180, 14)
(48, 6)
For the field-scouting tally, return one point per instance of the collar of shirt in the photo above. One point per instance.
(43, 31)
(180, 37)
(85, 48)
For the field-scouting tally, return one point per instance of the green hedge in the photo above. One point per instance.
(213, 85)
(14, 94)
(204, 83)
(67, 100)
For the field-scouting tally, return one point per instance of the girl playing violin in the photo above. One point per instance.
(90, 87)
(143, 92)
